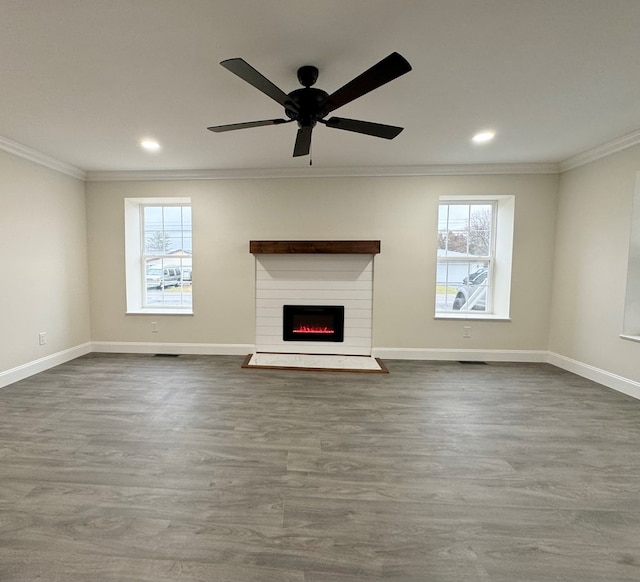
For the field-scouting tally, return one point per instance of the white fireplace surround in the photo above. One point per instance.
(314, 279)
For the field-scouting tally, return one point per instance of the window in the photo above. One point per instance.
(159, 255)
(474, 257)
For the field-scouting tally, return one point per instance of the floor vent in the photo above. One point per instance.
(165, 355)
(472, 362)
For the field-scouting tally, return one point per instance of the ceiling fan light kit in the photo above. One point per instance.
(309, 105)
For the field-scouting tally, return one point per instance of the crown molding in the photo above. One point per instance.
(365, 171)
(601, 151)
(27, 153)
(586, 157)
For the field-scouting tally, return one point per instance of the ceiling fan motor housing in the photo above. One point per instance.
(309, 106)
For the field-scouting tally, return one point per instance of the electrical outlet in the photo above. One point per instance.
(466, 332)
(154, 327)
(42, 338)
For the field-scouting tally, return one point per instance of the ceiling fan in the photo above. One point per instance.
(309, 105)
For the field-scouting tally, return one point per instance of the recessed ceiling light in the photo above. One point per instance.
(483, 137)
(150, 145)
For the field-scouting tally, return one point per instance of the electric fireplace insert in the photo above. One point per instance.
(313, 323)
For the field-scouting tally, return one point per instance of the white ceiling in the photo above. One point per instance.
(84, 80)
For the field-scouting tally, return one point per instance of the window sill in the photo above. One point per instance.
(155, 311)
(470, 316)
(631, 338)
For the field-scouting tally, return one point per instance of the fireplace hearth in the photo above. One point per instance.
(313, 323)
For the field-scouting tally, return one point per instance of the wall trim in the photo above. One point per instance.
(608, 379)
(173, 348)
(314, 172)
(601, 151)
(32, 155)
(42, 364)
(460, 355)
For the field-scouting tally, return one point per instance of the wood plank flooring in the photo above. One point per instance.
(134, 468)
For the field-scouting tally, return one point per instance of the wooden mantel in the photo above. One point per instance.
(360, 247)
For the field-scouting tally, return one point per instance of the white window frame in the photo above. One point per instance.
(631, 320)
(498, 297)
(135, 274)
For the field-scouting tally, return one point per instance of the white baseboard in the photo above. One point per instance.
(608, 379)
(173, 348)
(40, 365)
(460, 355)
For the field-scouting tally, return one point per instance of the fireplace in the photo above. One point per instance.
(314, 274)
(313, 323)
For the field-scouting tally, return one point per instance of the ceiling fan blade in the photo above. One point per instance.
(366, 127)
(386, 70)
(247, 73)
(232, 126)
(303, 142)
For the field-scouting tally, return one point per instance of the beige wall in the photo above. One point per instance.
(45, 287)
(401, 212)
(571, 243)
(594, 219)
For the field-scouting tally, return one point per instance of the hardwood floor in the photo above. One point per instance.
(134, 468)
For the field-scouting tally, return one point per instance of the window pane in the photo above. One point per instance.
(153, 217)
(458, 217)
(447, 281)
(186, 217)
(157, 242)
(442, 242)
(462, 286)
(457, 243)
(154, 238)
(480, 224)
(174, 241)
(443, 217)
(173, 227)
(480, 243)
(173, 217)
(168, 282)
